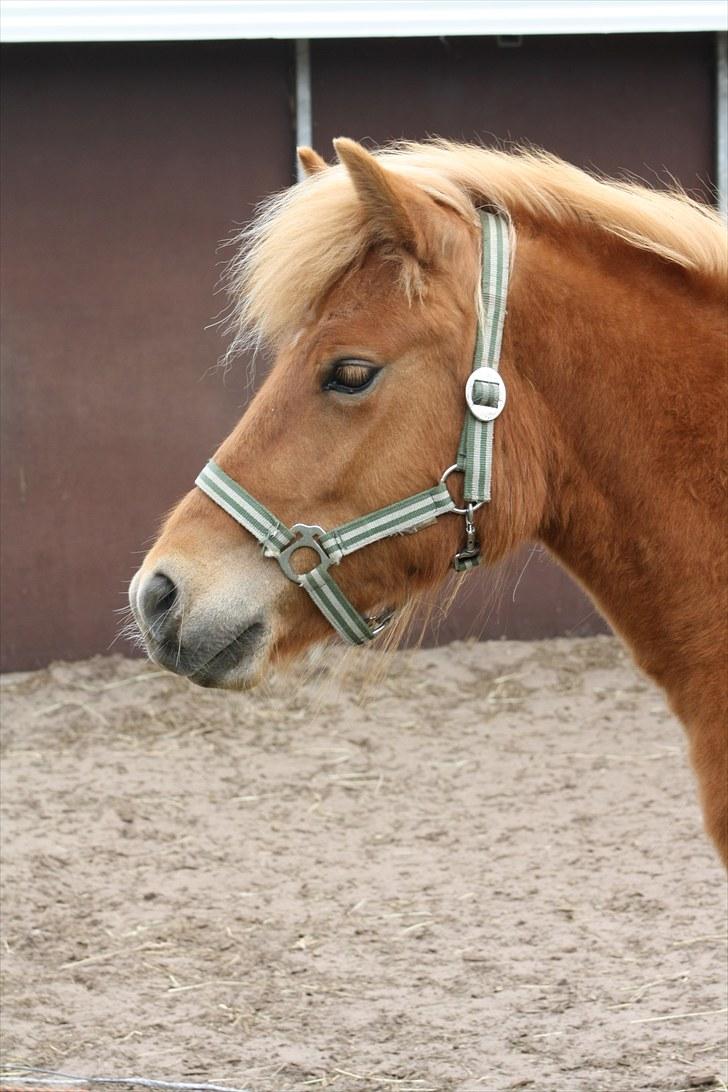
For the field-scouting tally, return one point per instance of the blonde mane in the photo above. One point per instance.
(303, 239)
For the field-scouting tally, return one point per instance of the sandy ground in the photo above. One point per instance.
(485, 871)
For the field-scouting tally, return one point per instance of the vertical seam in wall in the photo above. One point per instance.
(721, 119)
(304, 114)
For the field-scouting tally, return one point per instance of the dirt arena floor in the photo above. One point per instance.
(484, 871)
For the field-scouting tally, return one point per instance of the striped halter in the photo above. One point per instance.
(485, 396)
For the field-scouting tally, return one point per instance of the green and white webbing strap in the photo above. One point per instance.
(399, 518)
(336, 608)
(485, 390)
(249, 512)
(280, 541)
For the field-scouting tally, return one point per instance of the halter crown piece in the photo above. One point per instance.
(485, 396)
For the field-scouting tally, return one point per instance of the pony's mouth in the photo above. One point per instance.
(241, 651)
(234, 665)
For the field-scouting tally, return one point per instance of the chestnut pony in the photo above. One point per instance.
(364, 279)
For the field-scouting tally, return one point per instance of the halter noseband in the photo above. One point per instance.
(485, 396)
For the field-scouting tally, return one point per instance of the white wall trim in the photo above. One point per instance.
(180, 20)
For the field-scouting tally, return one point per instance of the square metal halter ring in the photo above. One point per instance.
(307, 538)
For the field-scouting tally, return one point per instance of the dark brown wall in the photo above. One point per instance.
(124, 165)
(641, 103)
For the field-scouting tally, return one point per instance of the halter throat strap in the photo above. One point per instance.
(485, 397)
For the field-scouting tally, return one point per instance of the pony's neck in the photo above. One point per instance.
(617, 363)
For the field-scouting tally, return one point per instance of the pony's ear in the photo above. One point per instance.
(397, 209)
(310, 161)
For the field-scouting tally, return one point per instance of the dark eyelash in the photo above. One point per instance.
(350, 376)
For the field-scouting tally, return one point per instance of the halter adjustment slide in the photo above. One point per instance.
(492, 404)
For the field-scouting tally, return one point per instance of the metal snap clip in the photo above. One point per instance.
(469, 555)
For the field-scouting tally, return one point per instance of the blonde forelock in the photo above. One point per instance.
(304, 239)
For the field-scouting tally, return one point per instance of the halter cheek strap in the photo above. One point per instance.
(485, 396)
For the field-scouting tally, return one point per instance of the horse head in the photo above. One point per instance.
(362, 407)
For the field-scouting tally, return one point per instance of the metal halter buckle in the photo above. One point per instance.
(380, 621)
(306, 538)
(485, 375)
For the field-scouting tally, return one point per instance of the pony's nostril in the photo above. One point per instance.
(157, 599)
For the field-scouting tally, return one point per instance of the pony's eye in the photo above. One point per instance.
(350, 376)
